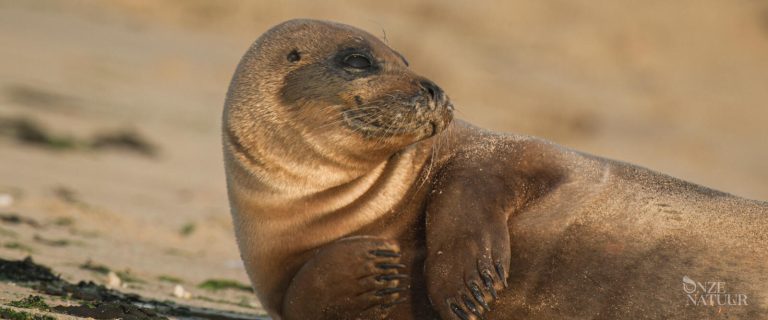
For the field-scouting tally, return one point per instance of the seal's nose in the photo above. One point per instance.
(435, 93)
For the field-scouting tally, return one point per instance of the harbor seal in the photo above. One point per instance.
(356, 195)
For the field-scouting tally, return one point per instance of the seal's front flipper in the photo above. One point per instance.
(467, 244)
(353, 278)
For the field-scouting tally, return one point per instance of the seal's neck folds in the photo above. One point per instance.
(293, 166)
(282, 169)
(342, 207)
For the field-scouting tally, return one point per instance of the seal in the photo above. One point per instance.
(356, 195)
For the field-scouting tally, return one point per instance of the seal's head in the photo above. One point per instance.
(308, 90)
(331, 79)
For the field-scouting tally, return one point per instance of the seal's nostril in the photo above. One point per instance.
(430, 87)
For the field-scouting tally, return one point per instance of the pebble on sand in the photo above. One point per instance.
(113, 280)
(6, 200)
(179, 292)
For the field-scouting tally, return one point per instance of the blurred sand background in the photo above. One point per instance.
(677, 86)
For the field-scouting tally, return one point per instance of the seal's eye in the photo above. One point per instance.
(357, 61)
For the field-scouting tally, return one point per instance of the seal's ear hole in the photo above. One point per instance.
(294, 55)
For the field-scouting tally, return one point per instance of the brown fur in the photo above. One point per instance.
(342, 183)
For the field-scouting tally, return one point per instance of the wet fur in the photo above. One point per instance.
(317, 198)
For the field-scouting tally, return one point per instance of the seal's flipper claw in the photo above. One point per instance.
(502, 274)
(388, 277)
(385, 253)
(459, 312)
(478, 294)
(488, 283)
(471, 306)
(390, 266)
(386, 291)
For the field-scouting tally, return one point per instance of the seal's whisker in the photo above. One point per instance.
(306, 108)
(381, 138)
(343, 119)
(431, 164)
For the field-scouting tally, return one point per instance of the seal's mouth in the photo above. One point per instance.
(397, 116)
